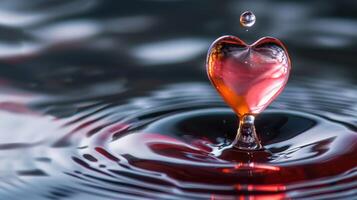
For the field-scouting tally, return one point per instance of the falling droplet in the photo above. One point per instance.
(247, 19)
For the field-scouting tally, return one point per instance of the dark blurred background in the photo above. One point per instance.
(52, 46)
(70, 69)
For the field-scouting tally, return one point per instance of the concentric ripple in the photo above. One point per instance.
(172, 144)
(97, 102)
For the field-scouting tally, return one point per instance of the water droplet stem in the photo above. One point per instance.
(247, 138)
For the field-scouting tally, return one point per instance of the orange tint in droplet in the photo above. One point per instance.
(248, 77)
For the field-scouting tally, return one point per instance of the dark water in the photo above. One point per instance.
(109, 100)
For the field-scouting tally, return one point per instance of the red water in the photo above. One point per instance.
(180, 149)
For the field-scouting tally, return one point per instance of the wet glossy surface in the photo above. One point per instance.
(248, 77)
(247, 19)
(105, 100)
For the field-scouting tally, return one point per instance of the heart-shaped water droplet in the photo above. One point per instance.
(248, 77)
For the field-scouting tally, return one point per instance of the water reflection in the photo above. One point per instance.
(168, 52)
(24, 14)
(78, 76)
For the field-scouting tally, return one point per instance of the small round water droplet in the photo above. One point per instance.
(247, 19)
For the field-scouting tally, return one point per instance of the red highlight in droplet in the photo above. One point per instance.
(248, 77)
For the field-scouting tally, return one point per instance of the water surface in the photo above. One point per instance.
(108, 100)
